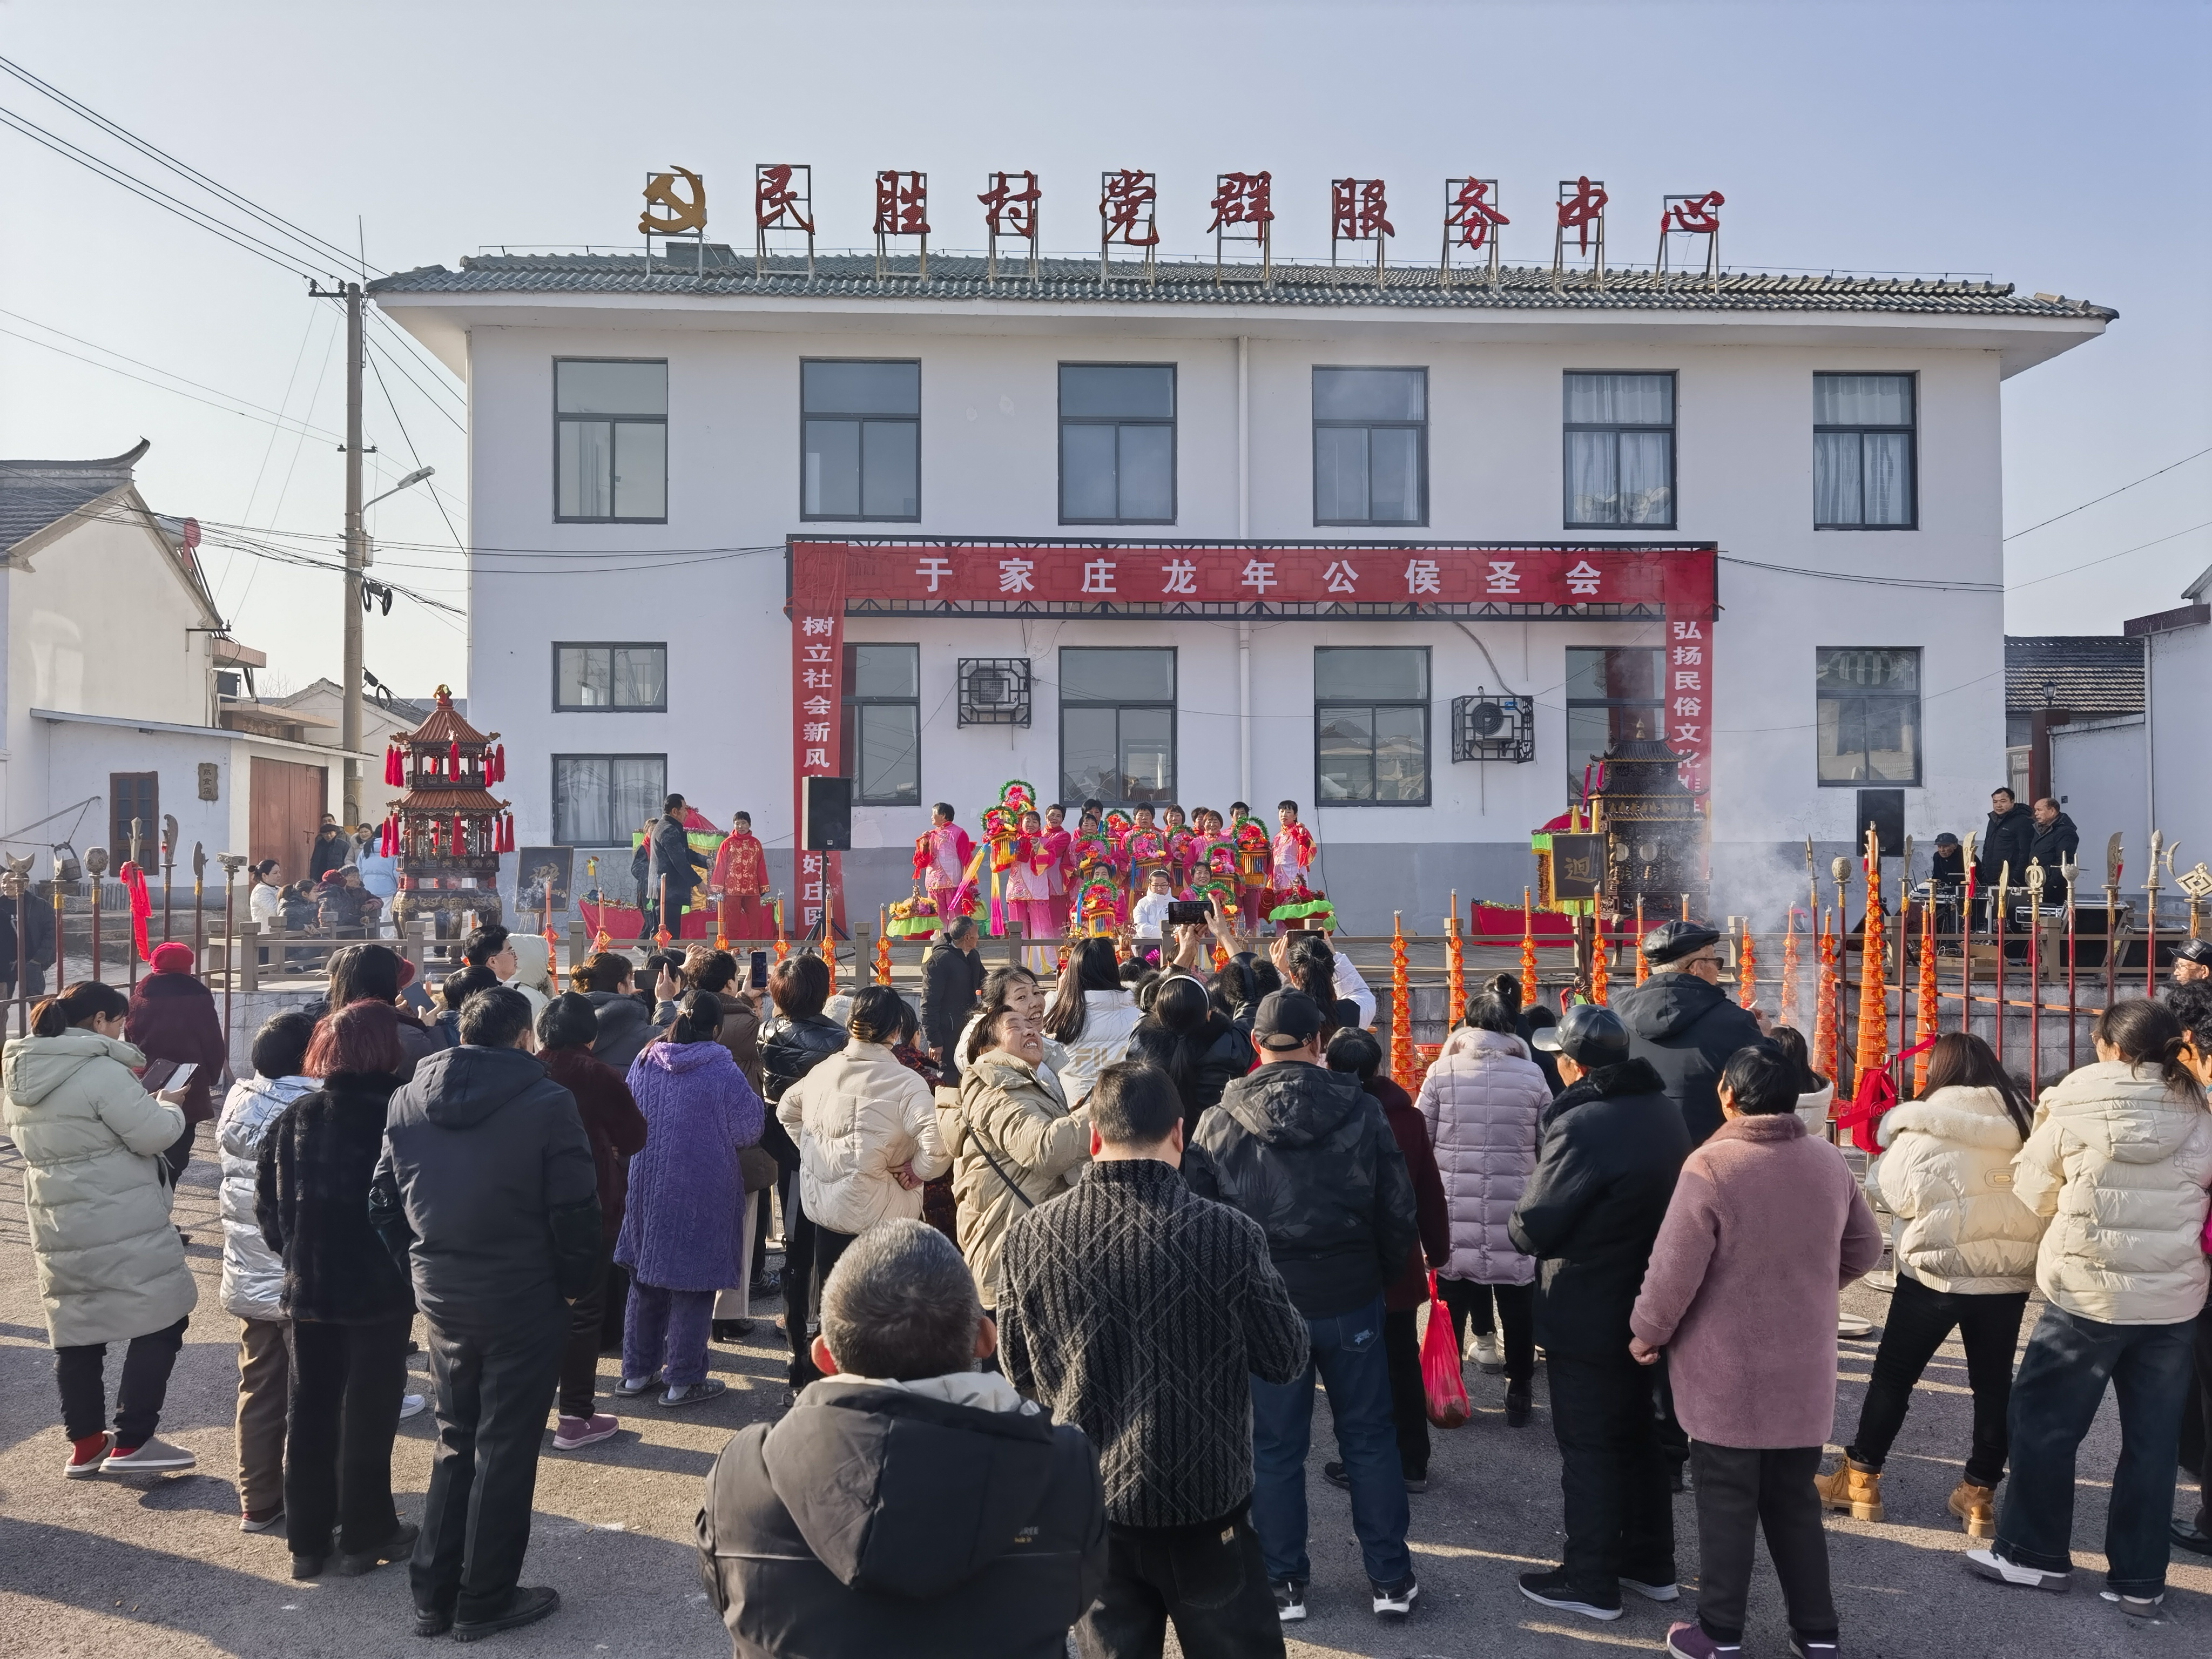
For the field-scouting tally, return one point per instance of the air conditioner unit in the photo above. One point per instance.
(994, 691)
(1494, 728)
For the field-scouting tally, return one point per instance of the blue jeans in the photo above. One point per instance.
(1347, 1352)
(2055, 1398)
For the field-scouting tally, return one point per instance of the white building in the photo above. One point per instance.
(645, 440)
(114, 652)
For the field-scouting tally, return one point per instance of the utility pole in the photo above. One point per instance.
(350, 715)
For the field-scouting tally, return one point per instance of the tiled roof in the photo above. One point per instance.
(33, 494)
(1177, 282)
(445, 725)
(2081, 674)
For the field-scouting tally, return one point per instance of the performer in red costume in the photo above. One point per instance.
(740, 873)
(1061, 871)
(1293, 851)
(940, 858)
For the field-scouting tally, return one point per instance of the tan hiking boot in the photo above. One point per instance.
(1976, 1506)
(1853, 1488)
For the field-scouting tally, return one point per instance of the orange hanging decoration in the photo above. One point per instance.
(1746, 968)
(1642, 966)
(882, 958)
(782, 945)
(1789, 1011)
(1060, 964)
(1455, 968)
(1528, 952)
(829, 959)
(1874, 994)
(1824, 1004)
(1401, 1010)
(1931, 1015)
(1600, 988)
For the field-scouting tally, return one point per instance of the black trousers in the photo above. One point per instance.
(1470, 1304)
(180, 1153)
(1209, 1579)
(824, 1245)
(1741, 1491)
(347, 1380)
(1919, 1319)
(1619, 1513)
(1409, 1400)
(580, 1361)
(79, 1373)
(494, 1384)
(798, 1285)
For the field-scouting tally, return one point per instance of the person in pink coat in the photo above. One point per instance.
(1765, 1226)
(1482, 1100)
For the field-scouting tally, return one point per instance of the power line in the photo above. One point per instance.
(415, 350)
(407, 438)
(2106, 496)
(401, 369)
(1871, 581)
(2037, 581)
(281, 423)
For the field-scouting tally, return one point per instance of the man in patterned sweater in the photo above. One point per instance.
(1139, 1312)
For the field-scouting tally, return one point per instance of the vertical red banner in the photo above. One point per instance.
(817, 640)
(1689, 697)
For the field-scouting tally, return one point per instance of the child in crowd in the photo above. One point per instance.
(1765, 1224)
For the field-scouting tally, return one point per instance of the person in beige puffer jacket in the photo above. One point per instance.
(2119, 1162)
(111, 1265)
(1965, 1260)
(1013, 1141)
(866, 1130)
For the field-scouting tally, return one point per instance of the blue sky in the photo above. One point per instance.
(2060, 147)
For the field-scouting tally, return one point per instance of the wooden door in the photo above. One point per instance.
(284, 807)
(134, 795)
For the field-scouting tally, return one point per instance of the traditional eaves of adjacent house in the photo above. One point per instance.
(42, 502)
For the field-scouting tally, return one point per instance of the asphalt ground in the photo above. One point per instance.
(157, 1567)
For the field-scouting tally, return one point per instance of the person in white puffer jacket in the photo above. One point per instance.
(1093, 1014)
(1483, 1100)
(2119, 1162)
(865, 1128)
(1965, 1260)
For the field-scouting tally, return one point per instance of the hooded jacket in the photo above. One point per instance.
(96, 1189)
(2119, 1164)
(1481, 1100)
(1612, 1147)
(1305, 1152)
(856, 1117)
(1686, 1029)
(1945, 1174)
(311, 1195)
(625, 1027)
(252, 1273)
(681, 1229)
(939, 1519)
(1013, 1144)
(173, 1017)
(487, 1183)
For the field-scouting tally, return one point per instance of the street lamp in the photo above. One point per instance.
(408, 483)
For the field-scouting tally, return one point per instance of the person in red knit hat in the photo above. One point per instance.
(172, 1018)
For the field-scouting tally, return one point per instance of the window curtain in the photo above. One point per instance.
(1592, 487)
(1647, 495)
(1394, 475)
(637, 784)
(579, 801)
(1339, 473)
(1838, 493)
(1888, 468)
(1620, 400)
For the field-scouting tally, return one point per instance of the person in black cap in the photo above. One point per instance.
(1612, 1146)
(1948, 863)
(2192, 961)
(1684, 1023)
(1307, 1154)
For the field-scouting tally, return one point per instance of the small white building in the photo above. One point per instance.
(660, 448)
(115, 656)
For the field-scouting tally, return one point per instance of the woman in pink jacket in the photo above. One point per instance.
(1482, 1101)
(1765, 1226)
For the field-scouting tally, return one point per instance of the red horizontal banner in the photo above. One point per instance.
(1680, 580)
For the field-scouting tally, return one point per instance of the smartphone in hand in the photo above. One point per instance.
(758, 976)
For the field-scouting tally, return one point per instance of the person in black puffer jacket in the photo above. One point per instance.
(1611, 1146)
(1201, 1051)
(1684, 1023)
(793, 1044)
(349, 1302)
(625, 1023)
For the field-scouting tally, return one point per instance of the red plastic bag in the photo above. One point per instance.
(1440, 1384)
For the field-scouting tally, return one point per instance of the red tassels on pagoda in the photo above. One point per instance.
(447, 830)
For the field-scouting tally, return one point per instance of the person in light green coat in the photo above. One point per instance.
(111, 1266)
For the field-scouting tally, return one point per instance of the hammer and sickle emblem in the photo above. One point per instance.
(683, 216)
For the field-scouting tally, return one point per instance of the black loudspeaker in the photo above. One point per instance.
(1885, 810)
(827, 825)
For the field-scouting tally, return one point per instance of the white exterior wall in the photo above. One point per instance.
(2097, 770)
(990, 468)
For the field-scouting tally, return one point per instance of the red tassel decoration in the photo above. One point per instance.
(498, 762)
(454, 756)
(510, 832)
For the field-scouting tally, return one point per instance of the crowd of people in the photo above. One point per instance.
(1062, 1265)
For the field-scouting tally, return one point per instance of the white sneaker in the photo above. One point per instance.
(157, 1457)
(1988, 1563)
(412, 1405)
(1482, 1348)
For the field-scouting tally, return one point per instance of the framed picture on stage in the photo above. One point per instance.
(541, 874)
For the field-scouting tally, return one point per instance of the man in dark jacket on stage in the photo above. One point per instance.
(1683, 1022)
(489, 1191)
(1307, 1154)
(909, 1503)
(1612, 1146)
(676, 866)
(2054, 843)
(2009, 839)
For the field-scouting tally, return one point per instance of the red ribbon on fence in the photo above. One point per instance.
(1876, 1094)
(142, 905)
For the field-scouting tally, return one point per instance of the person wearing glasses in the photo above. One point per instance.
(1684, 1023)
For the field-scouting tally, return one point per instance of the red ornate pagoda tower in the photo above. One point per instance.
(447, 830)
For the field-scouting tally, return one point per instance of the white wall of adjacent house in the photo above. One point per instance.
(710, 581)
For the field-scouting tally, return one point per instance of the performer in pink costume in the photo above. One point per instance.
(1028, 896)
(1058, 874)
(1293, 851)
(940, 857)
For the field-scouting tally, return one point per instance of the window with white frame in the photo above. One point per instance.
(1619, 438)
(1863, 441)
(600, 800)
(609, 439)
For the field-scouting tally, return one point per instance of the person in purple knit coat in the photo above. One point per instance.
(680, 1236)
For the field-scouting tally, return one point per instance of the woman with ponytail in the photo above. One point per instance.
(2117, 1164)
(97, 1191)
(683, 1230)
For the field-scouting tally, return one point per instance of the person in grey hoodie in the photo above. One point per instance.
(488, 1191)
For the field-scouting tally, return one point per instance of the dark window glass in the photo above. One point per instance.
(1117, 443)
(1867, 716)
(600, 801)
(1117, 725)
(1371, 446)
(1371, 725)
(860, 440)
(609, 439)
(883, 724)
